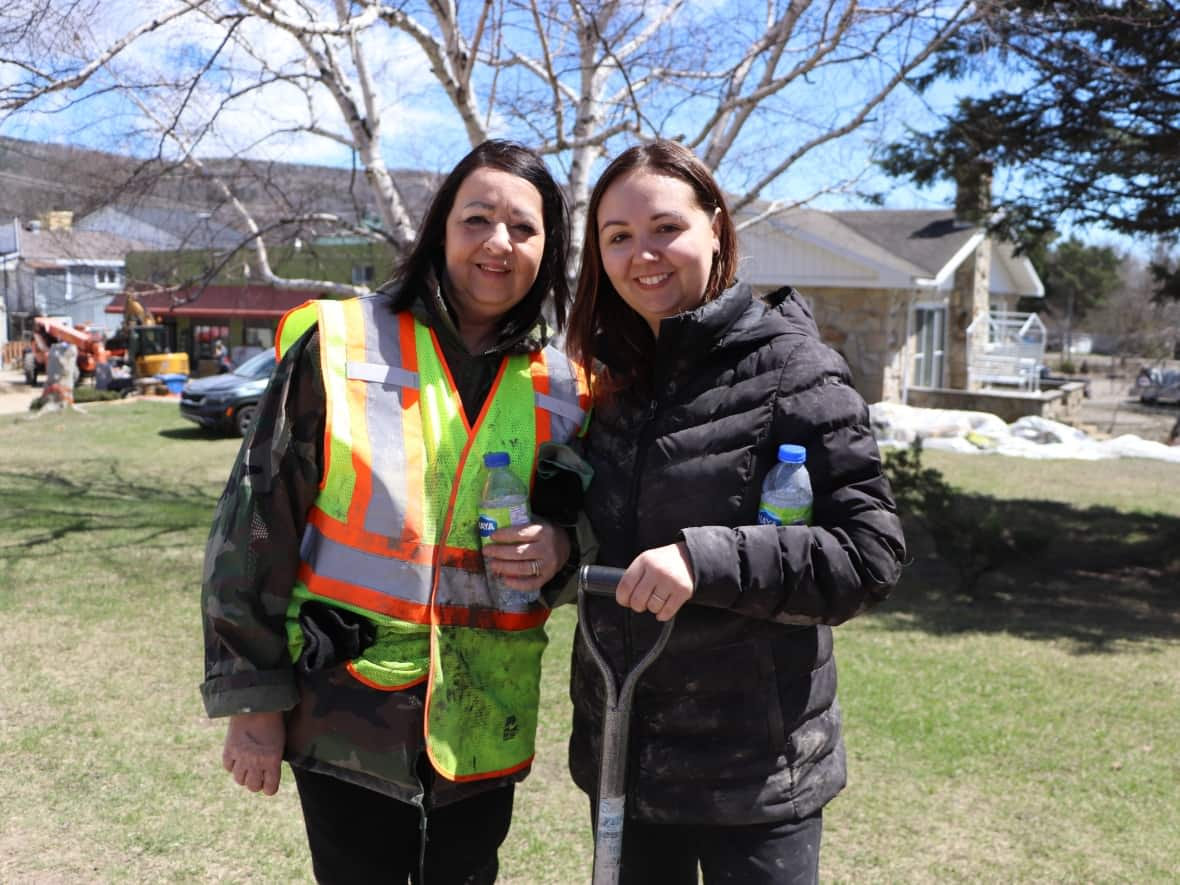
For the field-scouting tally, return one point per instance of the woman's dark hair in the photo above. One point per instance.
(599, 313)
(427, 255)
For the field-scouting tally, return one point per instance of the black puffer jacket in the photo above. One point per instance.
(737, 722)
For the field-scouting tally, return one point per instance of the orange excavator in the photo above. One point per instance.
(48, 331)
(141, 343)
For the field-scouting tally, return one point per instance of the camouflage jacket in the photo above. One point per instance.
(364, 736)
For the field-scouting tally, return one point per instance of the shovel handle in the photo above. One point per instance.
(597, 580)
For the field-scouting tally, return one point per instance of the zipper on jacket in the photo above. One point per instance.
(629, 616)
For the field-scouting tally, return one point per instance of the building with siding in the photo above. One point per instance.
(49, 268)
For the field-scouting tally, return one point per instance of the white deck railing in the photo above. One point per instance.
(1010, 354)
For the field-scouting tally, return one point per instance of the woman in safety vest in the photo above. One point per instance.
(735, 743)
(349, 624)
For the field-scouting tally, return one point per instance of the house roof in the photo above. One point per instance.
(248, 302)
(55, 248)
(191, 229)
(926, 238)
(891, 248)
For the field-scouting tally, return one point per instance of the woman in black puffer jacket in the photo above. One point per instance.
(735, 741)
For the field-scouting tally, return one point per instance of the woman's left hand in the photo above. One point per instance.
(527, 556)
(658, 580)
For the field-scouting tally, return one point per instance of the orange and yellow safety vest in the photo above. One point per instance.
(393, 534)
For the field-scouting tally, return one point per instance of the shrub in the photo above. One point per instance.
(974, 535)
(90, 394)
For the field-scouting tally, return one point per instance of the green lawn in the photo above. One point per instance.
(1031, 736)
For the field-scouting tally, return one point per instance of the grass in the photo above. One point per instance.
(1031, 736)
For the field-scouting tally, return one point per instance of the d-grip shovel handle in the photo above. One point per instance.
(601, 580)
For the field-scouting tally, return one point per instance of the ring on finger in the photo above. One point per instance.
(660, 600)
(535, 567)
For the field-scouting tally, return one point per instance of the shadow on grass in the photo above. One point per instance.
(56, 511)
(192, 432)
(1102, 576)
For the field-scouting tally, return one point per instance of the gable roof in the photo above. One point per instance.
(888, 248)
(60, 248)
(184, 228)
(926, 238)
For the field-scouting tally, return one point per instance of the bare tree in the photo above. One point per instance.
(754, 88)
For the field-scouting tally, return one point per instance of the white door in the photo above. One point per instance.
(930, 346)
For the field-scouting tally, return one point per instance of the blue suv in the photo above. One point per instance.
(228, 401)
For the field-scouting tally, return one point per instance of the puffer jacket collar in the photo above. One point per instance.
(736, 317)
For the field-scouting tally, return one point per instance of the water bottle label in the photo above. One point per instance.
(493, 518)
(769, 514)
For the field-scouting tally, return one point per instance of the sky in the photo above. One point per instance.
(411, 103)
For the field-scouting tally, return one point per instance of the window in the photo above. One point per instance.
(929, 346)
(259, 336)
(204, 336)
(106, 277)
(362, 274)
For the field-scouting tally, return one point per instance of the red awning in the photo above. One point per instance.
(249, 302)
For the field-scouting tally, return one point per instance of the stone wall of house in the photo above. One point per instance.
(868, 328)
(969, 302)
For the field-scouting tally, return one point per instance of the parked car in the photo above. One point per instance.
(1158, 386)
(227, 402)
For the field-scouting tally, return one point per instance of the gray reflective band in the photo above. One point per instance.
(394, 375)
(384, 574)
(560, 407)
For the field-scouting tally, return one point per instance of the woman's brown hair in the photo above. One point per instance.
(600, 316)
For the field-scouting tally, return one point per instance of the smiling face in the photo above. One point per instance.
(495, 239)
(657, 244)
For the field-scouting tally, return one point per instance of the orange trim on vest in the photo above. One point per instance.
(327, 410)
(279, 329)
(488, 618)
(352, 671)
(540, 375)
(466, 778)
(413, 550)
(413, 447)
(453, 388)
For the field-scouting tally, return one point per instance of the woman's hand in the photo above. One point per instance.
(253, 751)
(658, 581)
(527, 556)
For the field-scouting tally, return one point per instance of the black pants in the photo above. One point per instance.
(783, 853)
(358, 836)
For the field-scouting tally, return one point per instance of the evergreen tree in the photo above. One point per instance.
(1090, 117)
(1077, 277)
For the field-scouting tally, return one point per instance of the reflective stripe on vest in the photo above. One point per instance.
(393, 533)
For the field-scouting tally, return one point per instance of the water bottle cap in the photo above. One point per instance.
(496, 459)
(792, 454)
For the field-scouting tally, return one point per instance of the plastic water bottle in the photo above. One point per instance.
(786, 491)
(504, 502)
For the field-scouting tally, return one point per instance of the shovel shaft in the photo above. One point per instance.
(616, 725)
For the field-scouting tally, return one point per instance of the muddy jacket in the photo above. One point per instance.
(737, 722)
(335, 724)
